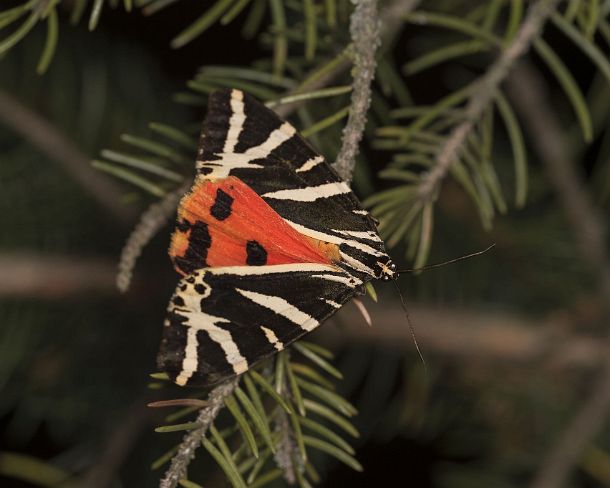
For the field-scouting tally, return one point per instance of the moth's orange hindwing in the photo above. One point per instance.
(225, 223)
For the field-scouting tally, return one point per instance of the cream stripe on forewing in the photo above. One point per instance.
(236, 122)
(350, 282)
(281, 307)
(229, 160)
(220, 168)
(197, 320)
(202, 321)
(368, 235)
(275, 139)
(309, 164)
(232, 353)
(190, 361)
(310, 193)
(355, 264)
(331, 303)
(272, 338)
(321, 271)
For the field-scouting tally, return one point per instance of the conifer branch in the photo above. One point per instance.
(589, 232)
(191, 441)
(483, 93)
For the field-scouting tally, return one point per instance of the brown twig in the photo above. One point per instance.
(473, 335)
(528, 92)
(482, 94)
(55, 145)
(192, 440)
(52, 277)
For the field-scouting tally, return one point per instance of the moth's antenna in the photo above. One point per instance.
(438, 265)
(411, 328)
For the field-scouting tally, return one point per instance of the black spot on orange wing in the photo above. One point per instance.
(183, 225)
(196, 253)
(222, 205)
(256, 254)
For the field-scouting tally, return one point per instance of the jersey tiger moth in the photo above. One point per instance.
(269, 241)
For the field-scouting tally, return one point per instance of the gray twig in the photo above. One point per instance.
(364, 30)
(287, 453)
(528, 93)
(155, 217)
(192, 440)
(483, 94)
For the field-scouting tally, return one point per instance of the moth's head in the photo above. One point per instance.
(386, 269)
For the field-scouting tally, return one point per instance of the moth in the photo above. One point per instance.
(269, 241)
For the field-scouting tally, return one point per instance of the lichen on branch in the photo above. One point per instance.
(365, 33)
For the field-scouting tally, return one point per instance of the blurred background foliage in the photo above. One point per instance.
(514, 339)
